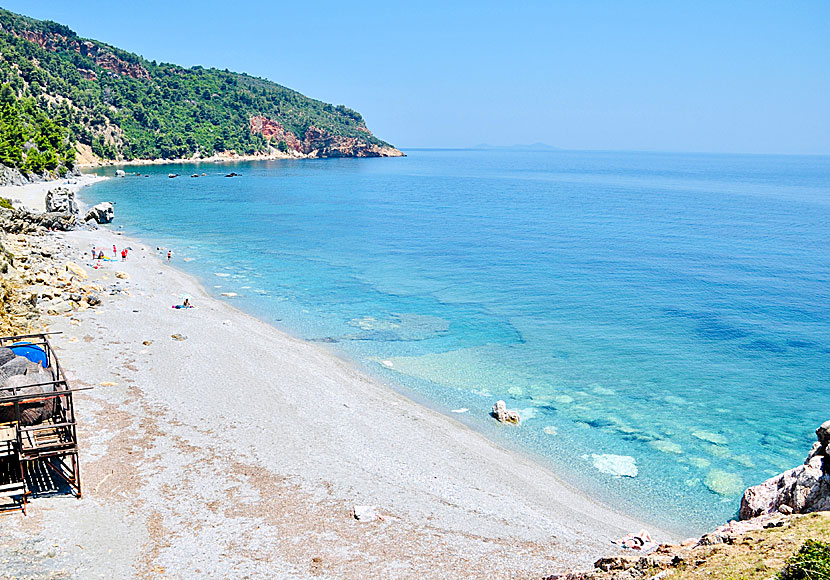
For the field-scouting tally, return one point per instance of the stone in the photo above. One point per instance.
(120, 173)
(16, 366)
(93, 299)
(616, 465)
(6, 354)
(503, 415)
(365, 513)
(178, 337)
(103, 213)
(122, 275)
(723, 482)
(76, 270)
(61, 200)
(803, 489)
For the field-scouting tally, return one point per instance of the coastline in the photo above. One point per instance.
(216, 158)
(280, 465)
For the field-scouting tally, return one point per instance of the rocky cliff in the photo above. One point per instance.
(318, 142)
(800, 490)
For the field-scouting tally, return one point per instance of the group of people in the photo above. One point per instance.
(98, 253)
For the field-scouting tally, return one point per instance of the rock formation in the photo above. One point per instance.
(504, 415)
(800, 490)
(61, 200)
(318, 142)
(101, 213)
(20, 221)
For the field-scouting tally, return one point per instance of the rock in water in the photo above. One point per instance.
(61, 200)
(503, 415)
(101, 213)
(803, 489)
(120, 173)
(616, 465)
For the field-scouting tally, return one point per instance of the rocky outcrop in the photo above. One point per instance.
(20, 221)
(101, 213)
(319, 143)
(103, 57)
(505, 415)
(274, 132)
(61, 200)
(11, 176)
(800, 490)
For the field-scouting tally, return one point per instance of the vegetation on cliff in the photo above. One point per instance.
(125, 107)
(33, 136)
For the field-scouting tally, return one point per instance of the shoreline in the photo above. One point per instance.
(216, 158)
(446, 493)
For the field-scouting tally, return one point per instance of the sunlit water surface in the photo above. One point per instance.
(673, 310)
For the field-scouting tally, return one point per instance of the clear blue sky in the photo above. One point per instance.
(720, 76)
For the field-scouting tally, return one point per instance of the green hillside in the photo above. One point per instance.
(74, 90)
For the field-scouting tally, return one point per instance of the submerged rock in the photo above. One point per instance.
(616, 465)
(723, 483)
(803, 489)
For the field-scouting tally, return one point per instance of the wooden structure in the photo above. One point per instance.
(31, 454)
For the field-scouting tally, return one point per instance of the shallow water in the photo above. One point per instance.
(669, 309)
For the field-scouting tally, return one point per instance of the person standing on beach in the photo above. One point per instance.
(123, 255)
(169, 255)
(114, 251)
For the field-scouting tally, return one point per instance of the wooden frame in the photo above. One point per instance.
(51, 444)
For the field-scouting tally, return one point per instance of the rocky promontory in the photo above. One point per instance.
(776, 517)
(317, 142)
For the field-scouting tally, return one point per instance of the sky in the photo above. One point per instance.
(705, 76)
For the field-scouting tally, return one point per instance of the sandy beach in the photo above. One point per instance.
(238, 451)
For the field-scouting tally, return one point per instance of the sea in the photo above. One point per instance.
(660, 321)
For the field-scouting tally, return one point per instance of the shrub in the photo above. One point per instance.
(811, 562)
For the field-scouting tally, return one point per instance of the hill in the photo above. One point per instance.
(62, 93)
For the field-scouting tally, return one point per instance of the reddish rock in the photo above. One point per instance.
(103, 57)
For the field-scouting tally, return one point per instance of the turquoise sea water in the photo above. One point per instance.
(670, 309)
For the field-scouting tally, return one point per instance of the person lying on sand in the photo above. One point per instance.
(642, 542)
(185, 304)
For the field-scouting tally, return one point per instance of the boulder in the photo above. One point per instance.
(61, 200)
(101, 213)
(120, 173)
(76, 270)
(16, 366)
(503, 415)
(800, 490)
(6, 354)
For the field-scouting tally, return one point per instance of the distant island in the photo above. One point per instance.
(68, 100)
(530, 147)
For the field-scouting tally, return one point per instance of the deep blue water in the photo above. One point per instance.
(673, 309)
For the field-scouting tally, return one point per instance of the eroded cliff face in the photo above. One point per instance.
(319, 143)
(106, 59)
